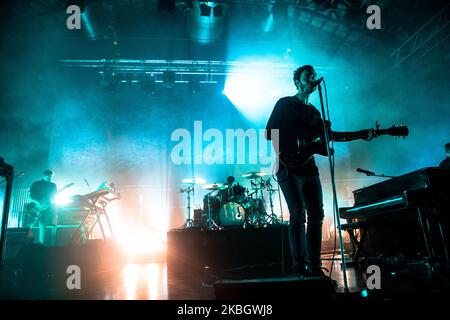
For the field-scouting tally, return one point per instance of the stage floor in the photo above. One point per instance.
(239, 262)
(153, 281)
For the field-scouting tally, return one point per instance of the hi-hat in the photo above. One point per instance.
(253, 175)
(194, 181)
(215, 186)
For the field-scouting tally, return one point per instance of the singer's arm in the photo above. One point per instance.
(342, 136)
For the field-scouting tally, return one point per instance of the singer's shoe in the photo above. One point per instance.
(314, 271)
(299, 271)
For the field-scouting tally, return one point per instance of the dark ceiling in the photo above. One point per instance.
(119, 24)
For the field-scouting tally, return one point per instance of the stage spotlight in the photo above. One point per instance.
(185, 7)
(218, 11)
(205, 10)
(194, 86)
(148, 84)
(169, 79)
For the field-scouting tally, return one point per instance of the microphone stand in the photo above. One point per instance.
(333, 185)
(380, 175)
(190, 189)
(6, 171)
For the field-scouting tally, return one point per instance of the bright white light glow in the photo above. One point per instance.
(147, 281)
(143, 233)
(63, 197)
(255, 95)
(194, 180)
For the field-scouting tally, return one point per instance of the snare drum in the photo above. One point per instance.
(231, 214)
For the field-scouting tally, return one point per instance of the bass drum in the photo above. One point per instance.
(231, 214)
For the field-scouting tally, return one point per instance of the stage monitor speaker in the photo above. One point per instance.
(18, 244)
(17, 240)
(64, 235)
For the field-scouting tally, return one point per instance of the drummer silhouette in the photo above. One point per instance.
(230, 181)
(234, 193)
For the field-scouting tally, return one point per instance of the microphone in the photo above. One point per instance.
(367, 172)
(20, 174)
(316, 83)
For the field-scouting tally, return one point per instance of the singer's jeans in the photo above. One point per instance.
(303, 194)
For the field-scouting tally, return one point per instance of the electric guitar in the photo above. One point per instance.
(33, 209)
(306, 149)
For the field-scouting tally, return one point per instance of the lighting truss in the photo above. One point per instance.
(428, 37)
(187, 67)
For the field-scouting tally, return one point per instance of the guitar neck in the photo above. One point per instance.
(355, 135)
(349, 136)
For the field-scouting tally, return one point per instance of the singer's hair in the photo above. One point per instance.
(298, 72)
(48, 173)
(447, 147)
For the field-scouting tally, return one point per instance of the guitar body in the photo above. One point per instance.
(33, 212)
(303, 154)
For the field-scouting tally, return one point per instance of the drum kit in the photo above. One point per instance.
(230, 204)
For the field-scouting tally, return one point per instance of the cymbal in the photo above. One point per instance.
(194, 181)
(253, 175)
(215, 186)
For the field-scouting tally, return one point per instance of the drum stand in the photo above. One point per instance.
(210, 223)
(190, 189)
(263, 218)
(273, 217)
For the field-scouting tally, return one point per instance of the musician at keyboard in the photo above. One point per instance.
(446, 162)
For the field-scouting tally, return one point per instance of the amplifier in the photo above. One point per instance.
(71, 216)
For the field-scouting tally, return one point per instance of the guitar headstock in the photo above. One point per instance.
(69, 185)
(398, 131)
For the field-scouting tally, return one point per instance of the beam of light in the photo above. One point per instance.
(130, 276)
(157, 283)
(254, 85)
(88, 24)
(142, 233)
(253, 95)
(194, 180)
(144, 281)
(268, 23)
